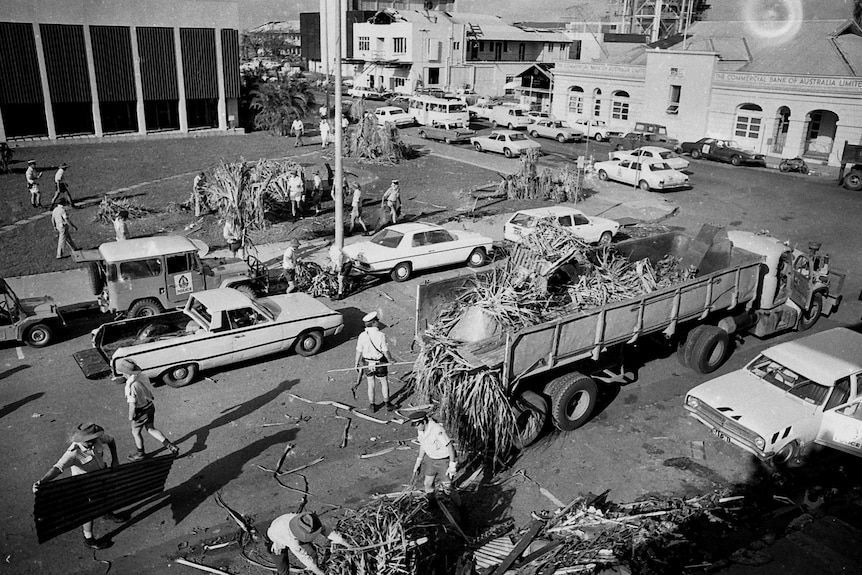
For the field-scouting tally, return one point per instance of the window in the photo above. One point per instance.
(565, 221)
(575, 50)
(597, 102)
(551, 47)
(747, 127)
(505, 46)
(840, 394)
(580, 220)
(180, 263)
(364, 43)
(141, 269)
(433, 75)
(482, 46)
(243, 317)
(439, 237)
(456, 45)
(508, 90)
(673, 104)
(396, 82)
(576, 100)
(620, 105)
(399, 45)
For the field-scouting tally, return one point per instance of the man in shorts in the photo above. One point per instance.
(142, 409)
(371, 351)
(356, 209)
(288, 265)
(442, 462)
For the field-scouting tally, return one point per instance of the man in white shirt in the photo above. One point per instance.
(32, 177)
(324, 132)
(392, 200)
(341, 266)
(372, 351)
(297, 128)
(295, 191)
(292, 534)
(356, 209)
(197, 191)
(441, 462)
(60, 185)
(61, 222)
(288, 265)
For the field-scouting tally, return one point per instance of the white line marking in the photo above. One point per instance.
(20, 351)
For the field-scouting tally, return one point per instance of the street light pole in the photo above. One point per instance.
(339, 136)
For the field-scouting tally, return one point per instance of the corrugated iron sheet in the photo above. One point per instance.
(230, 62)
(18, 54)
(66, 62)
(112, 59)
(200, 72)
(64, 504)
(158, 63)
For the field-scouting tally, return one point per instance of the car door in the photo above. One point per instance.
(443, 249)
(584, 228)
(841, 425)
(253, 334)
(420, 251)
(183, 277)
(495, 144)
(624, 171)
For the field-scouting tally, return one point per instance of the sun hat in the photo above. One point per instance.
(294, 243)
(305, 527)
(369, 317)
(64, 165)
(394, 181)
(87, 432)
(127, 367)
(31, 161)
(417, 417)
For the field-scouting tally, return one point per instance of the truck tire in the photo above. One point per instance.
(709, 349)
(531, 415)
(180, 375)
(853, 181)
(145, 308)
(810, 316)
(95, 275)
(308, 343)
(573, 399)
(39, 335)
(683, 350)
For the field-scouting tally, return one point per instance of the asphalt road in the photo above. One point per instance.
(242, 417)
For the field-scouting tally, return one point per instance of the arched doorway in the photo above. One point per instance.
(748, 125)
(597, 102)
(782, 124)
(820, 128)
(575, 105)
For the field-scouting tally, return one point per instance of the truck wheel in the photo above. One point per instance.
(532, 414)
(686, 342)
(735, 160)
(309, 343)
(477, 258)
(95, 275)
(812, 314)
(246, 290)
(603, 175)
(145, 308)
(853, 181)
(573, 398)
(180, 375)
(402, 272)
(709, 349)
(695, 154)
(39, 335)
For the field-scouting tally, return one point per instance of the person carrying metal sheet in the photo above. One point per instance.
(85, 454)
(292, 534)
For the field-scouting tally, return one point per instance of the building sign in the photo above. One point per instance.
(183, 283)
(609, 70)
(831, 84)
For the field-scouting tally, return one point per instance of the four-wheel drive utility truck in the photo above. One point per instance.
(744, 282)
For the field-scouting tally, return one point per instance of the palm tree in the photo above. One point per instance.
(278, 102)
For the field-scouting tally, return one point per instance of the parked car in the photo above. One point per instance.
(215, 328)
(395, 115)
(596, 129)
(591, 229)
(480, 110)
(647, 176)
(556, 129)
(403, 249)
(636, 139)
(670, 158)
(399, 101)
(448, 132)
(789, 398)
(533, 116)
(31, 320)
(507, 142)
(368, 94)
(722, 151)
(510, 117)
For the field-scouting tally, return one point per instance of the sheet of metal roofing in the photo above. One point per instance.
(18, 53)
(200, 73)
(112, 59)
(230, 62)
(66, 62)
(64, 504)
(158, 63)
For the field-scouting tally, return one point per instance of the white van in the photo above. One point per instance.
(508, 117)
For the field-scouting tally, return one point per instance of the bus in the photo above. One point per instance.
(428, 110)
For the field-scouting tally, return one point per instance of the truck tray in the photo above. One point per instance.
(92, 363)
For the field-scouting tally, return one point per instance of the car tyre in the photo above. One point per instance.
(478, 146)
(39, 335)
(695, 154)
(644, 185)
(561, 138)
(735, 160)
(511, 126)
(605, 238)
(508, 153)
(573, 399)
(402, 272)
(810, 316)
(785, 455)
(603, 175)
(599, 138)
(309, 343)
(180, 375)
(783, 167)
(531, 415)
(534, 133)
(146, 308)
(447, 140)
(494, 123)
(853, 181)
(422, 134)
(477, 258)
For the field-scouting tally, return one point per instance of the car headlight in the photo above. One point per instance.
(692, 402)
(760, 443)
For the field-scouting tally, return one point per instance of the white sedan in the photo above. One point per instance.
(650, 153)
(510, 143)
(591, 229)
(555, 129)
(647, 176)
(402, 249)
(395, 115)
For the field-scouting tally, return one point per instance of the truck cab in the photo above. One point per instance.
(30, 320)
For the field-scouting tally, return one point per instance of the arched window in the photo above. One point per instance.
(620, 105)
(748, 121)
(597, 102)
(576, 100)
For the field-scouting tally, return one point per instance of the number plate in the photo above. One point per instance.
(720, 435)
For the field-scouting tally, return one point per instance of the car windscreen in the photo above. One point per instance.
(788, 380)
(523, 220)
(659, 167)
(387, 238)
(517, 137)
(667, 155)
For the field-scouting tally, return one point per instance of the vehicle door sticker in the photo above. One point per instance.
(705, 149)
(183, 283)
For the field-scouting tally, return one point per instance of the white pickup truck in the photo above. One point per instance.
(217, 327)
(789, 398)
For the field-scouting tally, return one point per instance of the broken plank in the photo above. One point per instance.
(525, 541)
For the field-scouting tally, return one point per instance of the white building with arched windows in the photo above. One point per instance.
(732, 80)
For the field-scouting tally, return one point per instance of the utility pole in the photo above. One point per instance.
(339, 135)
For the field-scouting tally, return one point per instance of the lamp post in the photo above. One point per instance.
(338, 195)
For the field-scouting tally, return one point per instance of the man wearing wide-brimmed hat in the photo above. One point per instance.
(372, 351)
(142, 408)
(85, 454)
(441, 462)
(293, 534)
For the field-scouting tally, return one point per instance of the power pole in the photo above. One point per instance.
(339, 136)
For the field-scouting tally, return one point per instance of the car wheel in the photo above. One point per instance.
(561, 138)
(511, 126)
(534, 133)
(605, 238)
(447, 140)
(494, 123)
(477, 258)
(735, 160)
(786, 454)
(180, 375)
(644, 185)
(402, 272)
(508, 153)
(695, 154)
(478, 146)
(38, 335)
(309, 343)
(853, 181)
(783, 167)
(812, 314)
(603, 175)
(146, 308)
(599, 138)
(422, 134)
(804, 169)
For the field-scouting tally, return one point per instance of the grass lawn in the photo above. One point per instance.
(162, 171)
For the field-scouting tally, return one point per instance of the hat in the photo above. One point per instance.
(87, 432)
(294, 243)
(31, 161)
(417, 417)
(64, 165)
(126, 367)
(394, 181)
(305, 527)
(369, 317)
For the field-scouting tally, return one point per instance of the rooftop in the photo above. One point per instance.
(137, 248)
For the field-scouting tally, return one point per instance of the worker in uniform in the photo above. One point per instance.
(288, 265)
(441, 461)
(32, 177)
(371, 351)
(392, 200)
(292, 534)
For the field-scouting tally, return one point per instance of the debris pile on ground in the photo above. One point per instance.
(373, 142)
(316, 280)
(565, 185)
(110, 208)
